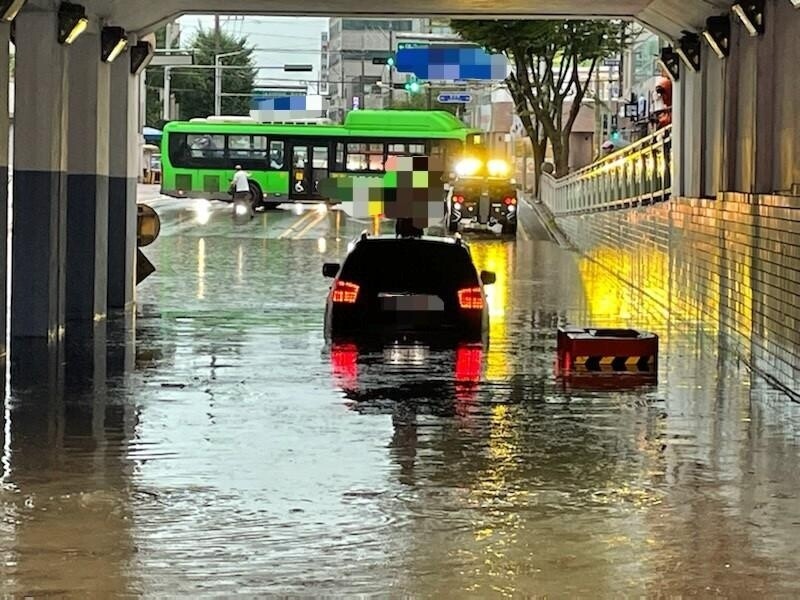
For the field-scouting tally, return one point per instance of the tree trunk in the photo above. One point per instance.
(565, 149)
(539, 149)
(560, 156)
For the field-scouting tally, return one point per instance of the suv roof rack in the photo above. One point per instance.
(364, 235)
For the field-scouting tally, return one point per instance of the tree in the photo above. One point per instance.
(194, 88)
(546, 57)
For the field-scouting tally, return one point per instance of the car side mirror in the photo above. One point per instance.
(330, 269)
(488, 277)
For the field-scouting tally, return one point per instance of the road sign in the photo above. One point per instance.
(453, 98)
(403, 45)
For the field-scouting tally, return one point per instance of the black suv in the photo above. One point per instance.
(407, 288)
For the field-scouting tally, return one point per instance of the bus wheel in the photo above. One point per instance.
(256, 195)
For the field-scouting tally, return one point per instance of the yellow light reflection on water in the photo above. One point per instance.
(497, 257)
(201, 268)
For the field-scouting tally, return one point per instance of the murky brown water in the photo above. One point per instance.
(228, 451)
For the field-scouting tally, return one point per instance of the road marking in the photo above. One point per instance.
(296, 224)
(310, 226)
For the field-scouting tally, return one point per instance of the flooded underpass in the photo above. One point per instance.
(225, 449)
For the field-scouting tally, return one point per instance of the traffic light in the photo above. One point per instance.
(384, 60)
(412, 85)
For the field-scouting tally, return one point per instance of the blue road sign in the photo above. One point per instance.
(454, 98)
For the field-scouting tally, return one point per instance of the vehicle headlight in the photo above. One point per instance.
(498, 168)
(468, 166)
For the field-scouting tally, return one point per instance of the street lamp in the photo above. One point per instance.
(218, 79)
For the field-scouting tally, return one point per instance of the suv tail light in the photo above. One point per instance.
(510, 200)
(458, 199)
(344, 292)
(470, 298)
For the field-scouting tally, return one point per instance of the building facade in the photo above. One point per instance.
(355, 48)
(324, 65)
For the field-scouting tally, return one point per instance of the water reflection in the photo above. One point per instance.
(66, 497)
(225, 454)
(427, 380)
(201, 269)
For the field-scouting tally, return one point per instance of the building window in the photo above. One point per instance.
(377, 24)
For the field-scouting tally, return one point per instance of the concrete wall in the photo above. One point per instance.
(736, 120)
(732, 264)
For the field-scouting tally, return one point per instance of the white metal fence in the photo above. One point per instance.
(637, 174)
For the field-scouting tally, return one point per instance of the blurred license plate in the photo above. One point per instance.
(405, 355)
(411, 302)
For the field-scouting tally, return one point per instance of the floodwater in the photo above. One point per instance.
(223, 449)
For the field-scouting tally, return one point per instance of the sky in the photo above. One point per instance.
(278, 41)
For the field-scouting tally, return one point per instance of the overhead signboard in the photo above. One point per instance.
(454, 98)
(446, 62)
(287, 108)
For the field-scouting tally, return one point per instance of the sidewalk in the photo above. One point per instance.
(146, 192)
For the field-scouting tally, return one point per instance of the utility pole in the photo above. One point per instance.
(362, 97)
(391, 66)
(167, 99)
(217, 71)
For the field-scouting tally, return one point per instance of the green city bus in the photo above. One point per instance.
(286, 161)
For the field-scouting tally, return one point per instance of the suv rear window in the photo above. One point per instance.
(411, 266)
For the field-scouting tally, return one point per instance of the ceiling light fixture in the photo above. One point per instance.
(718, 35)
(688, 49)
(9, 9)
(113, 42)
(751, 14)
(72, 22)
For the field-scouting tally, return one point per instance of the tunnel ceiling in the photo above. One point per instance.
(668, 17)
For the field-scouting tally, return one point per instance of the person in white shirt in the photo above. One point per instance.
(241, 189)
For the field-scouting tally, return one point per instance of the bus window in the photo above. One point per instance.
(206, 146)
(276, 155)
(357, 162)
(300, 157)
(405, 149)
(364, 157)
(339, 165)
(247, 148)
(320, 157)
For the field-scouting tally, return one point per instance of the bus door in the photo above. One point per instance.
(309, 167)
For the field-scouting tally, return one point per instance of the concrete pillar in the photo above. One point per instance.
(5, 30)
(123, 171)
(38, 245)
(87, 181)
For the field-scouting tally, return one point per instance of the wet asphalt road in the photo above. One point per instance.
(227, 450)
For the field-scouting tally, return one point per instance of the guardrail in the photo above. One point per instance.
(637, 174)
